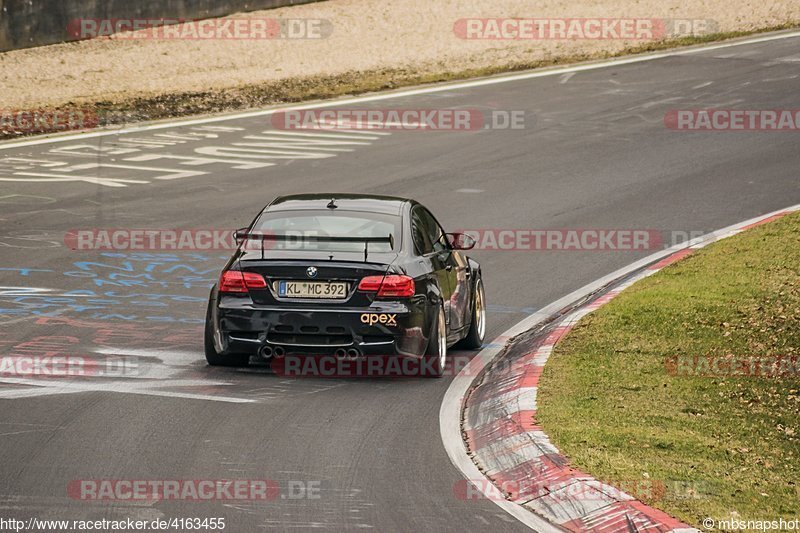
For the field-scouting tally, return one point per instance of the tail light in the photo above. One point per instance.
(388, 286)
(239, 282)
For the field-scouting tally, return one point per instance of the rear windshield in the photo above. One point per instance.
(329, 223)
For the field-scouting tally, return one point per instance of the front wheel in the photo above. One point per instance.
(477, 330)
(436, 355)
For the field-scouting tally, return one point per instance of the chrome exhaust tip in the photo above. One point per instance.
(352, 353)
(278, 352)
(266, 352)
(341, 352)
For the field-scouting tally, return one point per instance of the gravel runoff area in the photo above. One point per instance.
(396, 42)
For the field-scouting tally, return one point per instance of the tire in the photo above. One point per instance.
(212, 357)
(436, 354)
(477, 329)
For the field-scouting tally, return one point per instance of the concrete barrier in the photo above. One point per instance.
(27, 23)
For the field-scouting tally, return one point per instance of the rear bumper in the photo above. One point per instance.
(384, 328)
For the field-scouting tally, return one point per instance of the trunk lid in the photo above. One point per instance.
(329, 267)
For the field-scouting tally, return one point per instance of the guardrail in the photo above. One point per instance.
(28, 23)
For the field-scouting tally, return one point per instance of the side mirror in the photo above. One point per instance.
(461, 241)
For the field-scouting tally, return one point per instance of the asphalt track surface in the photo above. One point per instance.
(594, 154)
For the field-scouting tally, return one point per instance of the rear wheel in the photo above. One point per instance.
(212, 357)
(477, 330)
(436, 355)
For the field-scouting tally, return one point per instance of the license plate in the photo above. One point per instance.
(312, 289)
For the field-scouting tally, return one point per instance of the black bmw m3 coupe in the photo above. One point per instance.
(349, 276)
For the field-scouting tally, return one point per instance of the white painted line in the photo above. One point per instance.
(148, 352)
(450, 410)
(48, 387)
(566, 77)
(539, 73)
(33, 392)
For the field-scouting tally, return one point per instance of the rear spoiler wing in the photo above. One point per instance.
(242, 236)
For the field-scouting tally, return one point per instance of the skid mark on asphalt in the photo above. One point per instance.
(54, 508)
(25, 199)
(8, 429)
(31, 239)
(330, 503)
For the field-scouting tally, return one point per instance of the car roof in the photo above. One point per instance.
(391, 205)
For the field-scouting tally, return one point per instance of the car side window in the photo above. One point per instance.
(434, 231)
(420, 233)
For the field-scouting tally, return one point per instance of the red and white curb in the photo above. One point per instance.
(488, 422)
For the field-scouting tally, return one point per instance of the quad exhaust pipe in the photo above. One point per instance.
(351, 354)
(268, 352)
